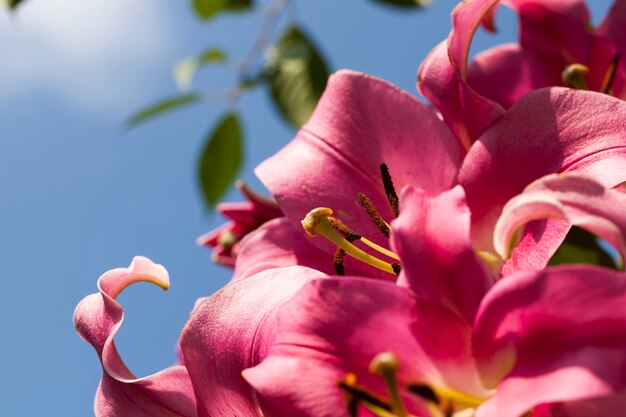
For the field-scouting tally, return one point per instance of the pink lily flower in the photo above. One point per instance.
(244, 218)
(564, 130)
(97, 318)
(558, 47)
(446, 341)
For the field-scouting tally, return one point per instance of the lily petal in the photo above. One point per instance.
(360, 122)
(579, 200)
(507, 72)
(571, 131)
(559, 331)
(236, 326)
(333, 327)
(432, 238)
(97, 318)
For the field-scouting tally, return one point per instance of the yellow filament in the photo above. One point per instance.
(458, 398)
(379, 248)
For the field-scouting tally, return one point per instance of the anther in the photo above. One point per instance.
(389, 189)
(607, 84)
(374, 215)
(338, 261)
(396, 268)
(425, 392)
(386, 365)
(348, 233)
(574, 76)
(349, 386)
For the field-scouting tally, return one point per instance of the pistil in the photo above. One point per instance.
(574, 76)
(386, 365)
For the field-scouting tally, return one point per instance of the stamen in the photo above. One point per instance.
(338, 261)
(351, 236)
(389, 189)
(386, 365)
(374, 215)
(574, 76)
(318, 222)
(349, 386)
(610, 76)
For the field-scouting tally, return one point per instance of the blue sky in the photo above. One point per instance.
(80, 195)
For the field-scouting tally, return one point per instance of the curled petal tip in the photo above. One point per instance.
(140, 269)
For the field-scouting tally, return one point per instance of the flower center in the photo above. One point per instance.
(441, 402)
(575, 76)
(319, 221)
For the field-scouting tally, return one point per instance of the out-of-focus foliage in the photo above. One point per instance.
(298, 76)
(581, 246)
(206, 9)
(221, 158)
(12, 4)
(163, 106)
(185, 70)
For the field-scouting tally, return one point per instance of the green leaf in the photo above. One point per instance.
(579, 247)
(221, 158)
(185, 70)
(404, 4)
(162, 107)
(12, 4)
(298, 76)
(206, 9)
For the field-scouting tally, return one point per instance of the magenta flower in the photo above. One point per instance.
(244, 218)
(445, 340)
(558, 46)
(564, 130)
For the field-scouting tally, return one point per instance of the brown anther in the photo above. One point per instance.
(348, 233)
(396, 268)
(425, 392)
(361, 393)
(338, 261)
(389, 189)
(374, 215)
(607, 84)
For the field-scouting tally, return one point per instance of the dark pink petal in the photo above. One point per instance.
(507, 72)
(336, 326)
(360, 122)
(559, 331)
(231, 331)
(595, 407)
(432, 237)
(579, 200)
(613, 28)
(547, 131)
(467, 113)
(556, 27)
(278, 243)
(97, 319)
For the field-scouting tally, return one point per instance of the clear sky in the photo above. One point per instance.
(79, 195)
